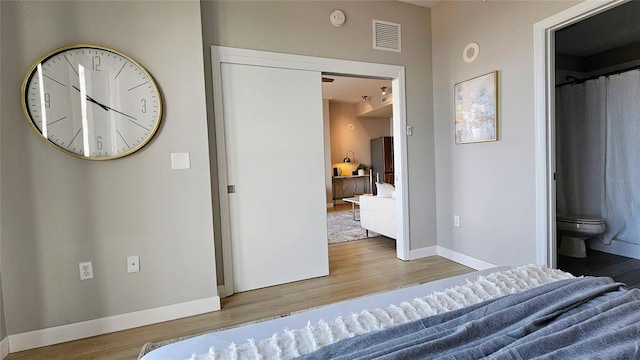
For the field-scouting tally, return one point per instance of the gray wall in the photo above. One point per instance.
(617, 59)
(490, 185)
(3, 328)
(58, 210)
(304, 28)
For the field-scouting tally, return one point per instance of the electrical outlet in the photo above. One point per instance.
(133, 264)
(86, 270)
(456, 220)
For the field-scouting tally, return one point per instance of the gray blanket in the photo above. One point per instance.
(582, 318)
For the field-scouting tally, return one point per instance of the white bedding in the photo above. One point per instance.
(274, 340)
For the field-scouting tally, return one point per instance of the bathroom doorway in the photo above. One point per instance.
(597, 63)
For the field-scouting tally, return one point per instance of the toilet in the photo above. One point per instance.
(574, 230)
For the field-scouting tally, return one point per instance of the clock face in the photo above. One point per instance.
(92, 102)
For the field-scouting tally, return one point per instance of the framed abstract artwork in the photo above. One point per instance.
(476, 109)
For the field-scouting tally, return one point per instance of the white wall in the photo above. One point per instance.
(491, 186)
(357, 139)
(58, 210)
(304, 28)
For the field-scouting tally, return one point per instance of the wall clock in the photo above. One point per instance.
(92, 102)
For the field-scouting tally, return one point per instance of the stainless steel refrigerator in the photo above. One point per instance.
(381, 161)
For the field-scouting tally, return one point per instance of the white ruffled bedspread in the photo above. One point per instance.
(291, 343)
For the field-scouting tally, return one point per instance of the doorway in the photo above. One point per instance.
(224, 55)
(597, 84)
(358, 113)
(546, 63)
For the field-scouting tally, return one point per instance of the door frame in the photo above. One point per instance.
(544, 112)
(221, 54)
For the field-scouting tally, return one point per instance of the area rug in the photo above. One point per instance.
(342, 227)
(290, 343)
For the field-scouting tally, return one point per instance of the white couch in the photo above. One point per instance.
(378, 213)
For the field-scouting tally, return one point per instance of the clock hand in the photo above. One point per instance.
(119, 112)
(105, 107)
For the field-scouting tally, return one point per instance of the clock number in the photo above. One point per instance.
(144, 105)
(96, 63)
(99, 142)
(47, 100)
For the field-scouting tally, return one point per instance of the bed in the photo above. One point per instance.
(501, 313)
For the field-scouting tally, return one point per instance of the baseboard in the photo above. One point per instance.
(423, 252)
(465, 260)
(4, 348)
(85, 329)
(616, 247)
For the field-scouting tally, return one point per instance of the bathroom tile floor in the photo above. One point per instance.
(597, 263)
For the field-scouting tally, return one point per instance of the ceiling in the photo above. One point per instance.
(611, 29)
(425, 3)
(345, 89)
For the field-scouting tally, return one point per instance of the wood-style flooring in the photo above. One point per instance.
(342, 207)
(356, 268)
(597, 263)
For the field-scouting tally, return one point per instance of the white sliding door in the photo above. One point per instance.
(273, 134)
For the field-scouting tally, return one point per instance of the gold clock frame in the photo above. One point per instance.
(58, 50)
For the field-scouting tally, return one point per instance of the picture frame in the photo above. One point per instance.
(476, 109)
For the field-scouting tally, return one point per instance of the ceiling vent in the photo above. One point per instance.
(386, 36)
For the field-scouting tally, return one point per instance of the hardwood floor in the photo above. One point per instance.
(340, 207)
(356, 268)
(597, 263)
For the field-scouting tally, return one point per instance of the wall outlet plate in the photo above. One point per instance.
(133, 264)
(86, 270)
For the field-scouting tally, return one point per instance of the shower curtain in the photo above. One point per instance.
(598, 152)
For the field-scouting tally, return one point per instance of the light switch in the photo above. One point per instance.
(180, 161)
